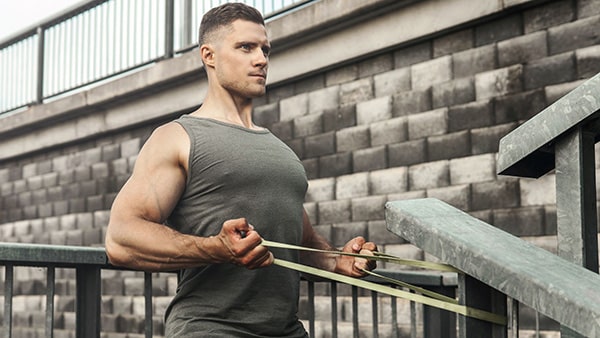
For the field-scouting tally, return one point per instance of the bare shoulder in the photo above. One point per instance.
(158, 177)
(168, 144)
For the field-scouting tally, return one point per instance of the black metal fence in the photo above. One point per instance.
(102, 39)
(88, 264)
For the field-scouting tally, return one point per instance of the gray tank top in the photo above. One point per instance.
(237, 172)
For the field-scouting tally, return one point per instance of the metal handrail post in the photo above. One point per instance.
(39, 94)
(169, 28)
(88, 302)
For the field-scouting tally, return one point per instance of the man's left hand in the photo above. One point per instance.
(354, 266)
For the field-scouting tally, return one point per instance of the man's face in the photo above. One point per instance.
(241, 58)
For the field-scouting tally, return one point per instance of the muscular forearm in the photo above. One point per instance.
(319, 260)
(149, 246)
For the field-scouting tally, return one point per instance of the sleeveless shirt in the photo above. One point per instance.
(238, 172)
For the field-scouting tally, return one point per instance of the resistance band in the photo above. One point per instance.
(427, 297)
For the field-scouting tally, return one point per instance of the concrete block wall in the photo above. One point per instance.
(422, 119)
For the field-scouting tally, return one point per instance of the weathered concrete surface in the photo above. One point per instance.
(527, 151)
(555, 287)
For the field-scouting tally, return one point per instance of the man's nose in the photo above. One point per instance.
(261, 59)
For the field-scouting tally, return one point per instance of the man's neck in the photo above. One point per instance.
(230, 111)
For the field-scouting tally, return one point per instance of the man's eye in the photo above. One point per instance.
(245, 47)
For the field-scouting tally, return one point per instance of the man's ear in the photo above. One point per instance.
(207, 53)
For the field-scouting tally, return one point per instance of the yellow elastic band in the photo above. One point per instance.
(460, 309)
(379, 256)
(427, 297)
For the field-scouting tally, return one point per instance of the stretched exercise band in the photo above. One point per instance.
(427, 297)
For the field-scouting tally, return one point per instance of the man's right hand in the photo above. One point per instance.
(238, 243)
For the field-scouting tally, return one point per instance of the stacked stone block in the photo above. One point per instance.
(421, 120)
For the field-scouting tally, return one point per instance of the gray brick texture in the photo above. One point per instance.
(588, 61)
(425, 74)
(335, 165)
(376, 65)
(453, 92)
(392, 82)
(551, 70)
(388, 131)
(319, 145)
(428, 175)
(448, 146)
(519, 107)
(472, 61)
(503, 81)
(453, 42)
(499, 29)
(522, 49)
(338, 211)
(323, 99)
(458, 196)
(471, 115)
(368, 208)
(411, 102)
(521, 221)
(486, 140)
(342, 233)
(264, 115)
(548, 15)
(574, 35)
(429, 123)
(369, 159)
(308, 125)
(336, 119)
(353, 138)
(496, 194)
(378, 109)
(356, 91)
(587, 8)
(407, 153)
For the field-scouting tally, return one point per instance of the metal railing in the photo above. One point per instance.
(88, 263)
(102, 39)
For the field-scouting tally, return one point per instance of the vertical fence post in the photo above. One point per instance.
(311, 308)
(576, 202)
(148, 324)
(8, 298)
(169, 28)
(475, 293)
(187, 24)
(39, 93)
(438, 323)
(88, 302)
(50, 292)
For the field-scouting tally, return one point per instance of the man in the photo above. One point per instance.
(209, 186)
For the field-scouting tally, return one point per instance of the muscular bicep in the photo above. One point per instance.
(158, 179)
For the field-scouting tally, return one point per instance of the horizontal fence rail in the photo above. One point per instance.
(102, 39)
(88, 263)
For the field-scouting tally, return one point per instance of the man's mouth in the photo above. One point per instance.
(262, 75)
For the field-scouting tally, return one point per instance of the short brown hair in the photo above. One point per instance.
(224, 15)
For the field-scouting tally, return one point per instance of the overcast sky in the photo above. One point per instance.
(16, 15)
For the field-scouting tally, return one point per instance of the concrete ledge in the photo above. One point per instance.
(553, 286)
(528, 151)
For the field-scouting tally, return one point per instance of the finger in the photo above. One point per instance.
(369, 246)
(260, 259)
(358, 243)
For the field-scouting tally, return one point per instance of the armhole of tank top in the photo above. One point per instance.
(192, 148)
